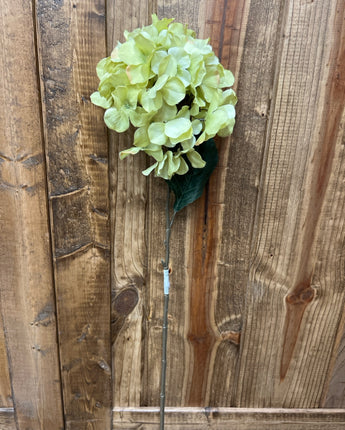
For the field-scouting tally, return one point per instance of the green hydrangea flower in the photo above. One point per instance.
(172, 88)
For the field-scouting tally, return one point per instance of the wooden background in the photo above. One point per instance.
(257, 338)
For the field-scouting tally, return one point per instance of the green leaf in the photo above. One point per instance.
(189, 187)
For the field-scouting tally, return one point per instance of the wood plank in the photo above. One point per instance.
(238, 418)
(71, 40)
(128, 224)
(26, 288)
(5, 384)
(242, 33)
(295, 293)
(7, 421)
(179, 356)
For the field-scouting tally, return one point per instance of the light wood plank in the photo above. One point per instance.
(26, 288)
(129, 224)
(237, 418)
(71, 38)
(295, 293)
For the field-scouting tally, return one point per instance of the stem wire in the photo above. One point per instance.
(165, 263)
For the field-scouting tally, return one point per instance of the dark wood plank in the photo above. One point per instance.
(71, 40)
(26, 283)
(7, 421)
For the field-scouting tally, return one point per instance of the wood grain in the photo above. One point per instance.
(5, 384)
(220, 418)
(71, 40)
(26, 289)
(241, 33)
(128, 232)
(290, 324)
(7, 421)
(179, 351)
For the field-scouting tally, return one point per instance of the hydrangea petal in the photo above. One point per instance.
(101, 101)
(178, 127)
(129, 151)
(116, 120)
(173, 91)
(147, 171)
(156, 133)
(195, 159)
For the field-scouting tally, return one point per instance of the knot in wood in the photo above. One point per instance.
(301, 298)
(126, 301)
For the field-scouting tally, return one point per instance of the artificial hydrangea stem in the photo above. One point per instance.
(165, 263)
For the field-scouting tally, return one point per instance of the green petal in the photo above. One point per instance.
(156, 133)
(219, 119)
(155, 152)
(129, 151)
(184, 76)
(151, 104)
(101, 101)
(195, 159)
(198, 71)
(116, 120)
(168, 66)
(130, 53)
(140, 117)
(227, 130)
(173, 91)
(183, 169)
(157, 58)
(197, 126)
(141, 138)
(229, 97)
(143, 42)
(138, 74)
(178, 127)
(165, 113)
(147, 171)
(161, 24)
(188, 144)
(227, 80)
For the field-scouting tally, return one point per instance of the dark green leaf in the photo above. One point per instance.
(189, 187)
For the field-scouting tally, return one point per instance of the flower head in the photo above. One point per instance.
(170, 86)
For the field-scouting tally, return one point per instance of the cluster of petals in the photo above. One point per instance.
(172, 88)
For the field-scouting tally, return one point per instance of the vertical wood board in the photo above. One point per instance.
(293, 300)
(71, 40)
(27, 289)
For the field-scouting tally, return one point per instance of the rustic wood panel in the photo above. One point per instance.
(5, 384)
(295, 293)
(242, 34)
(179, 354)
(239, 419)
(334, 393)
(71, 40)
(7, 421)
(129, 230)
(27, 290)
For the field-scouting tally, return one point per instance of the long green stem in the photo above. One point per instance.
(165, 263)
